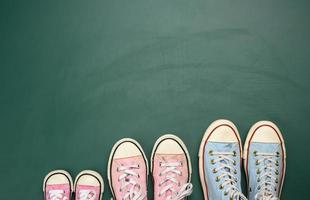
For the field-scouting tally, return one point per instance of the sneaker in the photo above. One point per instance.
(171, 169)
(264, 161)
(88, 185)
(128, 171)
(220, 162)
(57, 185)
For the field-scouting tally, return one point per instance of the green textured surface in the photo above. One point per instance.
(76, 76)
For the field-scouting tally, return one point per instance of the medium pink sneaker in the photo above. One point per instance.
(88, 185)
(57, 185)
(171, 169)
(128, 171)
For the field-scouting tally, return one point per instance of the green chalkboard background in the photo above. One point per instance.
(77, 75)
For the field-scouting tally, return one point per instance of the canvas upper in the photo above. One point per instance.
(265, 161)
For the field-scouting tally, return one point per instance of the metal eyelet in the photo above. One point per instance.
(278, 154)
(235, 163)
(257, 163)
(235, 153)
(214, 171)
(257, 171)
(221, 187)
(277, 163)
(255, 153)
(211, 153)
(212, 162)
(217, 179)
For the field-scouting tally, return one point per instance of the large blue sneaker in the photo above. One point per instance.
(264, 161)
(220, 162)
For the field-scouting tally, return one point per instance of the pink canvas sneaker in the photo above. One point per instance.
(128, 171)
(88, 185)
(171, 169)
(57, 185)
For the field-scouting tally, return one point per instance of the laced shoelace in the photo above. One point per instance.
(57, 195)
(227, 172)
(170, 174)
(87, 195)
(132, 187)
(267, 186)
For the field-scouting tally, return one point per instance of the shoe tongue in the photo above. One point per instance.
(227, 163)
(170, 159)
(169, 194)
(92, 192)
(267, 193)
(223, 147)
(227, 147)
(63, 187)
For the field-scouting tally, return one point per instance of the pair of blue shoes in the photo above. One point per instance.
(220, 162)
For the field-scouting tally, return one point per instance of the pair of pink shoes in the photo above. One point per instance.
(170, 166)
(58, 185)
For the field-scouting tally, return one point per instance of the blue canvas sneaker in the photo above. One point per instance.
(264, 161)
(220, 162)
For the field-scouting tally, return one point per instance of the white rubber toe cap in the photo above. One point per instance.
(266, 132)
(169, 146)
(223, 131)
(126, 149)
(89, 177)
(57, 177)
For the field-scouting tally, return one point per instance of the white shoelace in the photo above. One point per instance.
(227, 173)
(170, 172)
(267, 181)
(57, 195)
(133, 188)
(87, 195)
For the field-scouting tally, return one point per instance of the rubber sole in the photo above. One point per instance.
(91, 173)
(180, 142)
(248, 141)
(207, 134)
(112, 153)
(58, 172)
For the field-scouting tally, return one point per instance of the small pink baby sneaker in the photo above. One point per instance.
(171, 169)
(88, 185)
(128, 171)
(57, 185)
